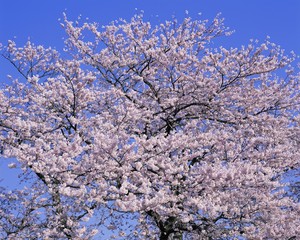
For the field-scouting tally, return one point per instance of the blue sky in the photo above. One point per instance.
(256, 19)
(38, 20)
(279, 19)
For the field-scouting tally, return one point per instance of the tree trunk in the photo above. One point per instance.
(171, 236)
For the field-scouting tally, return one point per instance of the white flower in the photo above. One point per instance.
(12, 165)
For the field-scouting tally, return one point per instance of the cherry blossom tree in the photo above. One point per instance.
(150, 133)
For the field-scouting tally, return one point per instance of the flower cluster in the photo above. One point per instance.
(152, 125)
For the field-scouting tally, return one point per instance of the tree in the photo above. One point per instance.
(152, 124)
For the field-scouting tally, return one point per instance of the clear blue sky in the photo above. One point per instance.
(37, 19)
(280, 19)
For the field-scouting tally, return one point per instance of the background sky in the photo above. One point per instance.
(38, 20)
(256, 19)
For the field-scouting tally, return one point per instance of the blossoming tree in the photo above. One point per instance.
(151, 133)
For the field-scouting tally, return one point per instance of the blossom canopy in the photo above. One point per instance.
(150, 133)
